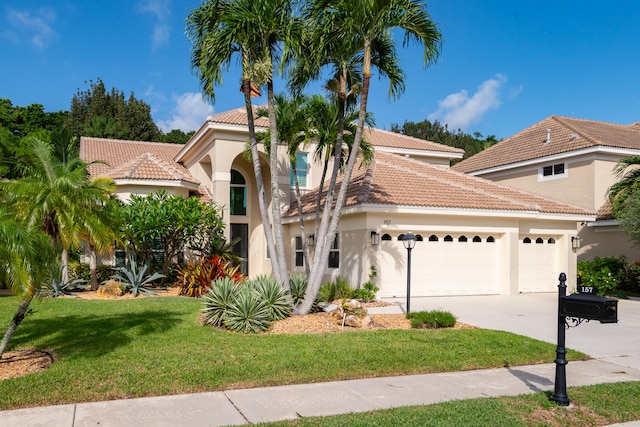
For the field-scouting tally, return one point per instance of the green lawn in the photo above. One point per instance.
(110, 349)
(591, 406)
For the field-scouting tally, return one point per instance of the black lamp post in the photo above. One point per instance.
(409, 241)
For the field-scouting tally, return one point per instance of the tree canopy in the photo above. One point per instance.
(436, 132)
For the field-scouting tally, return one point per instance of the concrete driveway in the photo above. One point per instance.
(535, 315)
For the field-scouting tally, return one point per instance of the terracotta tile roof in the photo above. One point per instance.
(395, 180)
(605, 212)
(238, 116)
(383, 138)
(121, 159)
(565, 135)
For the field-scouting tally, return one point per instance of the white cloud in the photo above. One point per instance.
(161, 11)
(37, 26)
(458, 110)
(189, 113)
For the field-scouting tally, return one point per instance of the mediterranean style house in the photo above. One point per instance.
(475, 236)
(570, 160)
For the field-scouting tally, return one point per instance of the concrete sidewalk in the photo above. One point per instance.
(237, 407)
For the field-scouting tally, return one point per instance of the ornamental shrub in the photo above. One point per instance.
(431, 319)
(605, 273)
(368, 290)
(195, 278)
(277, 300)
(332, 291)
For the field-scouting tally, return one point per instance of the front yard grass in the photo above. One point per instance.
(117, 349)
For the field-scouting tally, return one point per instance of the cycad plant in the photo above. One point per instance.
(136, 278)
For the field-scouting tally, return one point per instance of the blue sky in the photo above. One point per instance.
(504, 65)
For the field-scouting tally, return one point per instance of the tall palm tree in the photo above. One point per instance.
(259, 32)
(62, 199)
(26, 260)
(365, 23)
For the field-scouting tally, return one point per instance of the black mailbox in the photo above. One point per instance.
(589, 306)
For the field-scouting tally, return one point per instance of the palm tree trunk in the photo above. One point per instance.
(65, 265)
(257, 170)
(15, 322)
(93, 267)
(282, 272)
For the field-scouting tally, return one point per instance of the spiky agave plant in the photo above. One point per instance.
(218, 300)
(272, 293)
(136, 279)
(249, 313)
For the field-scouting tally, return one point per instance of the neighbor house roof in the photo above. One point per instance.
(139, 160)
(399, 181)
(552, 136)
(238, 116)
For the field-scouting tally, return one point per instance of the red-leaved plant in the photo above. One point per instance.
(196, 277)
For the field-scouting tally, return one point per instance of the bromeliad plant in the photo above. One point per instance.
(135, 278)
(196, 277)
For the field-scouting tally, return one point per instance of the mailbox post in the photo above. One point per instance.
(572, 311)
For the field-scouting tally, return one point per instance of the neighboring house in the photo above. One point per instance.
(570, 160)
(477, 236)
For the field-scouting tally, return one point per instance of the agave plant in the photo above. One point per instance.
(298, 285)
(221, 296)
(58, 287)
(136, 279)
(275, 297)
(249, 313)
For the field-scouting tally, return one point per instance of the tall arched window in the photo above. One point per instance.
(238, 194)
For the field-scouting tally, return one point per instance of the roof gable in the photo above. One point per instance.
(553, 135)
(120, 159)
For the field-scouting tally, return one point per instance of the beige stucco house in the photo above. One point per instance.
(570, 160)
(476, 236)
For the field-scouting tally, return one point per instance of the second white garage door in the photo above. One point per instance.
(444, 264)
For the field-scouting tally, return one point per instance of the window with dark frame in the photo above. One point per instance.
(557, 169)
(334, 254)
(299, 257)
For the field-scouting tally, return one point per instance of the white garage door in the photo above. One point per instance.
(538, 264)
(444, 264)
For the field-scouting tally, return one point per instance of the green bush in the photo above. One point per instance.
(606, 274)
(332, 291)
(631, 282)
(368, 290)
(431, 319)
(81, 271)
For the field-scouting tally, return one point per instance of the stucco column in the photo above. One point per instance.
(220, 189)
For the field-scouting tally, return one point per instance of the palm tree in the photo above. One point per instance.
(259, 32)
(365, 24)
(26, 260)
(628, 170)
(61, 199)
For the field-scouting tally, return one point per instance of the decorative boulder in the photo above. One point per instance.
(111, 289)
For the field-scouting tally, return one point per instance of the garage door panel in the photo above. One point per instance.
(538, 265)
(440, 268)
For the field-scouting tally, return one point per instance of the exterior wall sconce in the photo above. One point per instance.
(311, 240)
(375, 238)
(575, 242)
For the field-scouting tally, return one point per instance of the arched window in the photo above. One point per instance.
(433, 238)
(386, 236)
(551, 241)
(526, 240)
(477, 239)
(238, 196)
(462, 238)
(419, 238)
(539, 240)
(491, 239)
(448, 238)
(401, 238)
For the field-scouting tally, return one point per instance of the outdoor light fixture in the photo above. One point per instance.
(311, 240)
(409, 241)
(575, 242)
(375, 238)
